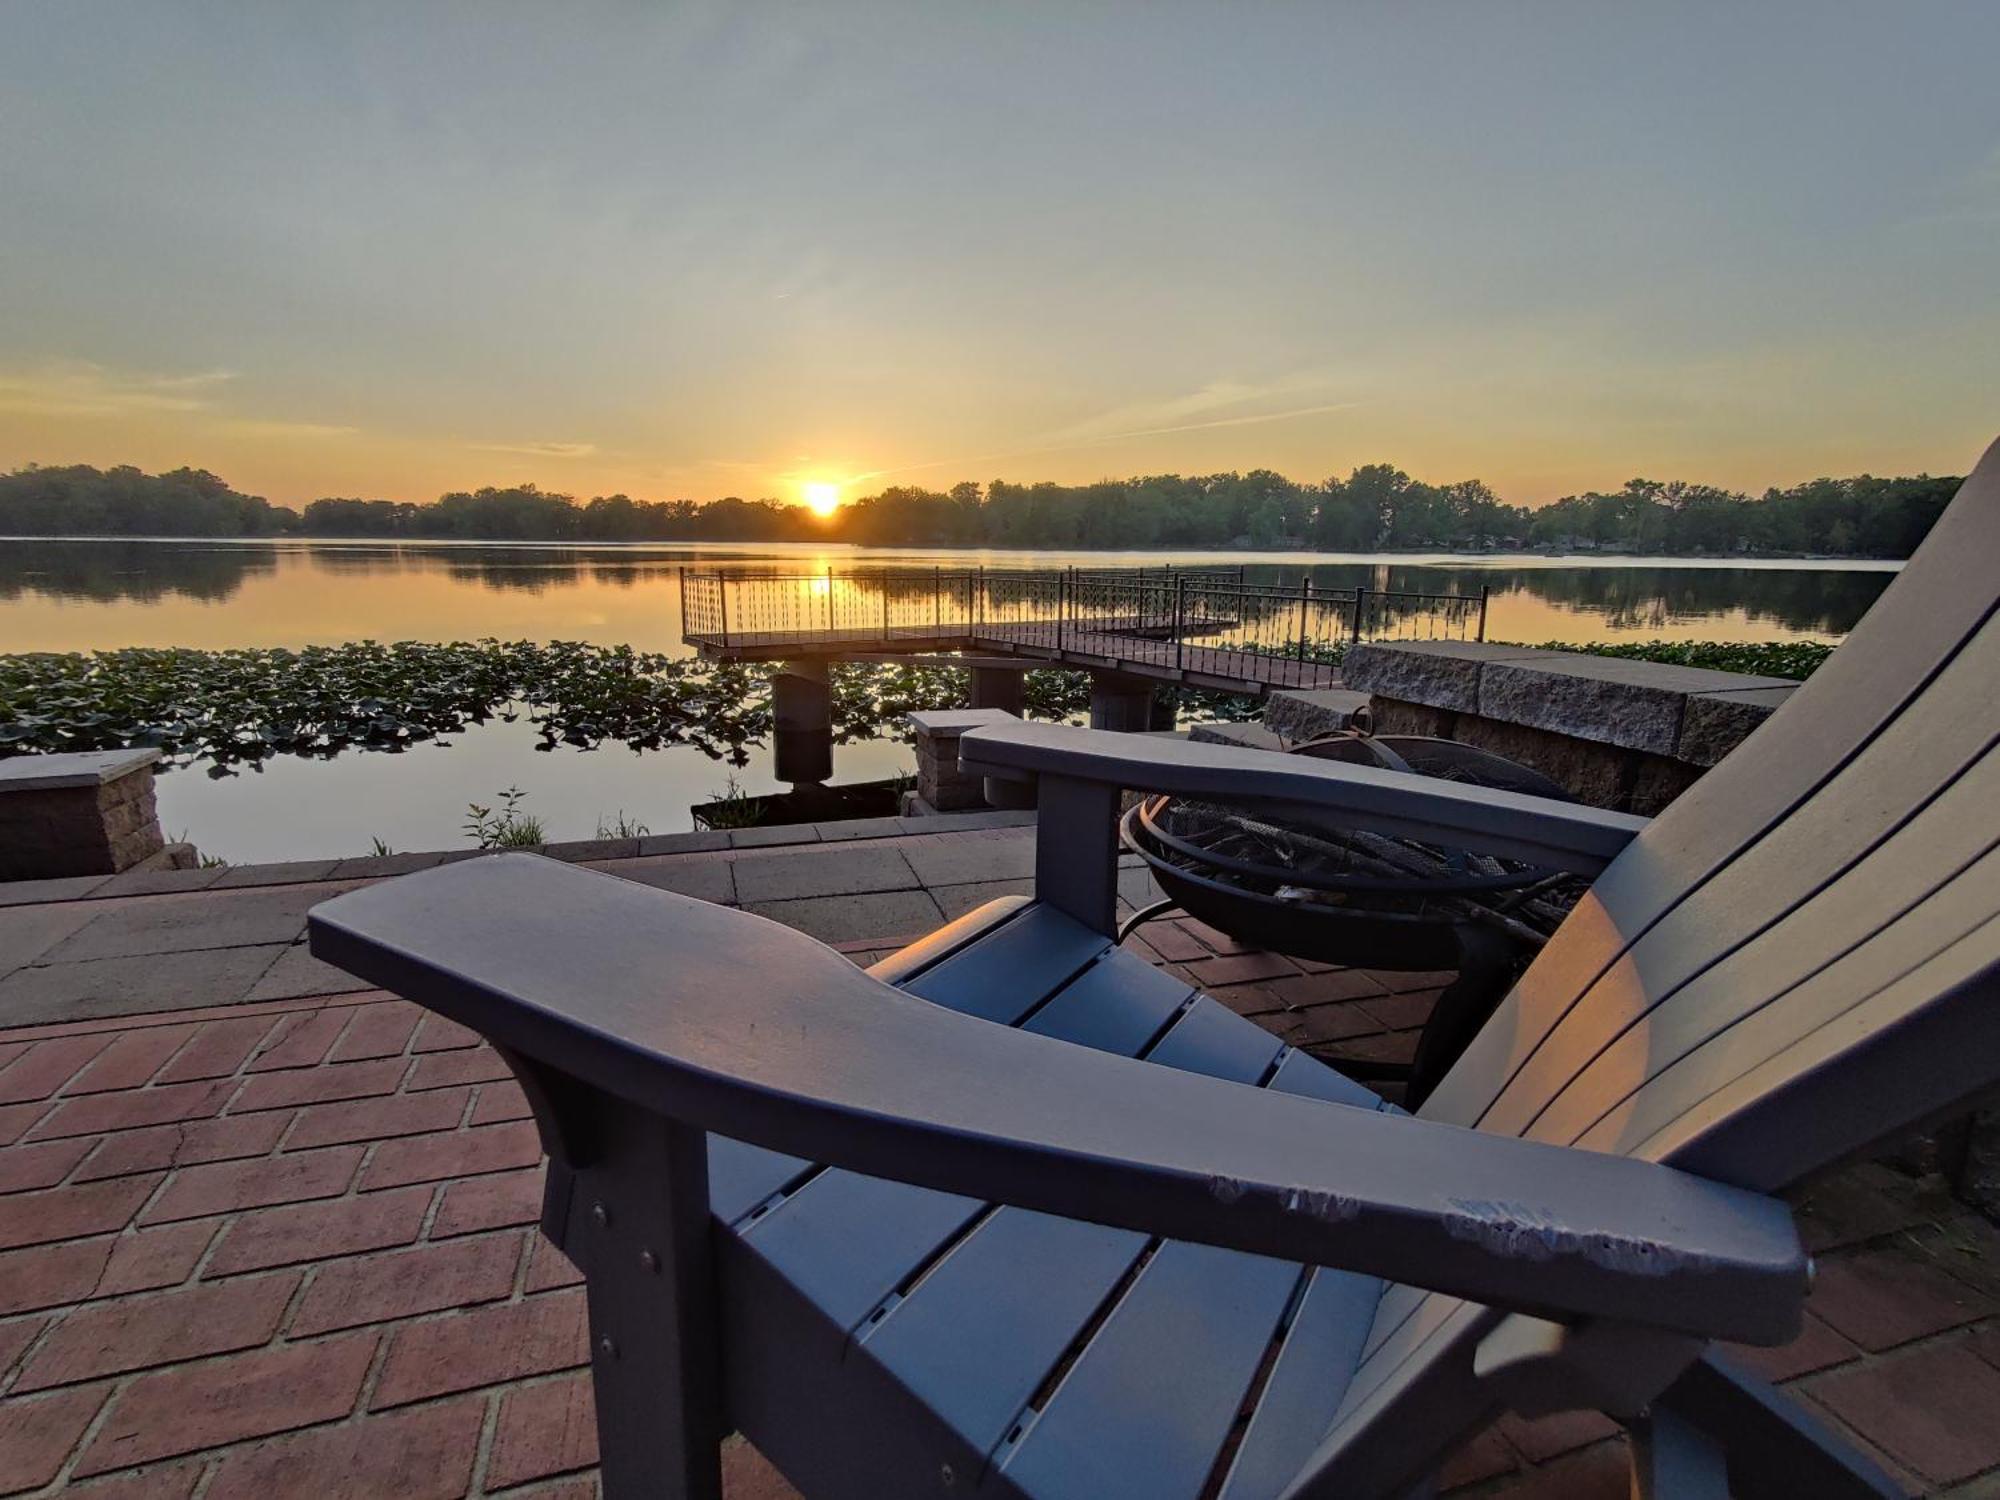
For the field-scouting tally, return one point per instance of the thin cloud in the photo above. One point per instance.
(1217, 396)
(1105, 439)
(538, 450)
(81, 389)
(306, 431)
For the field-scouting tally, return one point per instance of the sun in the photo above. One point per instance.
(822, 498)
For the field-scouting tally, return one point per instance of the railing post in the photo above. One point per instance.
(722, 602)
(1062, 605)
(1485, 589)
(1360, 605)
(937, 600)
(829, 599)
(982, 597)
(882, 583)
(1305, 601)
(1180, 617)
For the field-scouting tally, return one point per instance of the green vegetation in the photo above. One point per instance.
(240, 707)
(1798, 659)
(243, 706)
(1377, 508)
(505, 827)
(620, 827)
(732, 807)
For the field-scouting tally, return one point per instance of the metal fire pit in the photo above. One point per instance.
(1317, 890)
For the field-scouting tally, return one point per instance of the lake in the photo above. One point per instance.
(98, 594)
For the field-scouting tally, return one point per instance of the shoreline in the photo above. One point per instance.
(1533, 556)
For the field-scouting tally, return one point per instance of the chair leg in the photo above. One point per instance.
(1775, 1448)
(639, 1229)
(1675, 1460)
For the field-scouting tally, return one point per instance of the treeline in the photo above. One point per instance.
(77, 500)
(1378, 508)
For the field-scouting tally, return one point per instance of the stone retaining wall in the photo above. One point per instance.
(1630, 735)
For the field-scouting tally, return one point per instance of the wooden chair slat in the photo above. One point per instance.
(1855, 935)
(846, 1241)
(1211, 1038)
(1006, 974)
(1145, 1409)
(997, 1314)
(1118, 1004)
(1912, 761)
(742, 1176)
(1899, 1043)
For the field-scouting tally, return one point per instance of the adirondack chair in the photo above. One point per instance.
(1016, 1214)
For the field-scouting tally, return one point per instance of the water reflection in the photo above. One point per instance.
(106, 572)
(291, 593)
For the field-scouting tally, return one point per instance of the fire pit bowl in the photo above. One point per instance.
(1317, 890)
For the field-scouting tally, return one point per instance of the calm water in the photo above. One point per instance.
(88, 595)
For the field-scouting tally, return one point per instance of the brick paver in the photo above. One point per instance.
(289, 1247)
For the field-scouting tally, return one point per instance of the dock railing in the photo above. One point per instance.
(1202, 613)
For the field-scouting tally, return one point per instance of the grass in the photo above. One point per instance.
(732, 807)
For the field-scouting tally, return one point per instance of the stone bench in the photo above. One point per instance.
(87, 812)
(1623, 734)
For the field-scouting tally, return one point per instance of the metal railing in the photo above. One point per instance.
(1194, 618)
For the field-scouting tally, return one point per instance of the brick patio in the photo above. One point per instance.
(262, 1233)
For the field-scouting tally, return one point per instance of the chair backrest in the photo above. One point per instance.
(1799, 958)
(1790, 963)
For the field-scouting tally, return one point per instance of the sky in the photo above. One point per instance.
(391, 249)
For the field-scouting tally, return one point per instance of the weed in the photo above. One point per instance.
(506, 828)
(732, 807)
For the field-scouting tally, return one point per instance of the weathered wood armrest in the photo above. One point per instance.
(1539, 830)
(730, 1023)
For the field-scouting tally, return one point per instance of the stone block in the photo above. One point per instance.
(1306, 715)
(1713, 724)
(1438, 674)
(939, 781)
(1634, 704)
(80, 768)
(701, 841)
(1656, 781)
(1243, 736)
(1594, 773)
(1393, 716)
(80, 813)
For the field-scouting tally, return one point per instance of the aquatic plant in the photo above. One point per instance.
(1798, 659)
(240, 707)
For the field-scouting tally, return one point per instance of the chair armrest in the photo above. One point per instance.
(734, 1024)
(1538, 830)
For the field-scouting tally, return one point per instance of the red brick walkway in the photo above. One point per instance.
(286, 1249)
